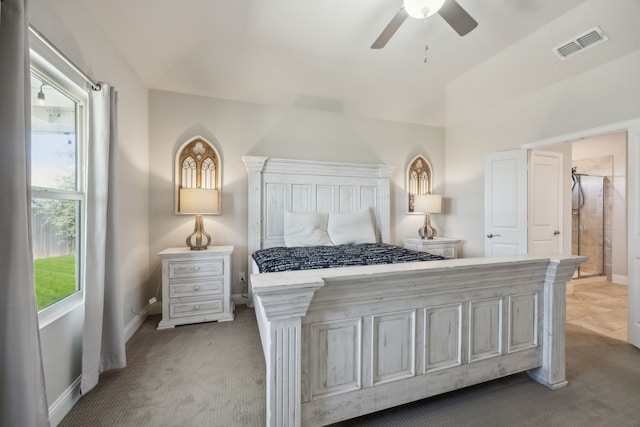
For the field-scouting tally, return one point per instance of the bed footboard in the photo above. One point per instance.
(344, 342)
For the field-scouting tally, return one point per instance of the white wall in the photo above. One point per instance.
(601, 96)
(238, 129)
(68, 25)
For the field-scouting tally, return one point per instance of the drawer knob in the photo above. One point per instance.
(196, 308)
(197, 288)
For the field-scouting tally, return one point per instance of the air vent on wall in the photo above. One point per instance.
(580, 43)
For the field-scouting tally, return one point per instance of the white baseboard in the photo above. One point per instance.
(619, 279)
(156, 308)
(238, 299)
(63, 404)
(135, 323)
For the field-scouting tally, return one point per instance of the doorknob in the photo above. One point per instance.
(491, 235)
(555, 233)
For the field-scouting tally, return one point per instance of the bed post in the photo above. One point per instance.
(254, 166)
(283, 308)
(383, 206)
(552, 372)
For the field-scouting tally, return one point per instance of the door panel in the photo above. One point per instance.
(545, 203)
(505, 217)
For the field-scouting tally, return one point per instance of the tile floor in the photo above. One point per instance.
(598, 305)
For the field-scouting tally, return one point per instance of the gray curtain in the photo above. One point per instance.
(23, 400)
(103, 335)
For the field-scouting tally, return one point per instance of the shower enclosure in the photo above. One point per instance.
(587, 209)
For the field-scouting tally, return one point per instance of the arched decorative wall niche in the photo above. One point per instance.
(419, 179)
(198, 166)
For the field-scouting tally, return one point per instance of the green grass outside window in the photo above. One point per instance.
(55, 279)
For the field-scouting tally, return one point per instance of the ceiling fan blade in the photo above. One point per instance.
(390, 29)
(457, 17)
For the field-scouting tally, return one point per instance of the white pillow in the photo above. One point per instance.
(305, 229)
(351, 227)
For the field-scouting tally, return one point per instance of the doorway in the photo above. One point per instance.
(595, 206)
(589, 207)
(595, 171)
(629, 132)
(599, 205)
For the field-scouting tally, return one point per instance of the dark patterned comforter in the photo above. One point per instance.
(311, 257)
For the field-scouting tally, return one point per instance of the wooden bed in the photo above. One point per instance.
(343, 342)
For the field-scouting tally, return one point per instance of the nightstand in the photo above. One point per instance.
(442, 246)
(196, 286)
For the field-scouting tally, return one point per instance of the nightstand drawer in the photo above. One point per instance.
(194, 268)
(445, 252)
(447, 248)
(196, 308)
(196, 288)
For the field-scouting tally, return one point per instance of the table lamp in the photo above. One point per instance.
(428, 204)
(198, 201)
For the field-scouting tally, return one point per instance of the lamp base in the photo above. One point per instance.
(427, 231)
(198, 233)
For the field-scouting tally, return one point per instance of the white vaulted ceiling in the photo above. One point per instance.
(316, 54)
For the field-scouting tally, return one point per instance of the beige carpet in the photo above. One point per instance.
(213, 375)
(209, 374)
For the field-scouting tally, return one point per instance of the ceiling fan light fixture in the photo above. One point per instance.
(453, 14)
(421, 9)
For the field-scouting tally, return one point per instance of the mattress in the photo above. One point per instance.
(280, 259)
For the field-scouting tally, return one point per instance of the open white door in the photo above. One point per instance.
(633, 215)
(505, 205)
(545, 203)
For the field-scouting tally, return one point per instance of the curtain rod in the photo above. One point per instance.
(94, 85)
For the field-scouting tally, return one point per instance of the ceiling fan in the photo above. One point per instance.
(450, 10)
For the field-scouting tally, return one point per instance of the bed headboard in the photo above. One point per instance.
(279, 185)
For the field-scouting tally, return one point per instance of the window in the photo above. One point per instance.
(58, 123)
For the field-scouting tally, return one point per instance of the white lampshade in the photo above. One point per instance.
(198, 200)
(421, 9)
(427, 203)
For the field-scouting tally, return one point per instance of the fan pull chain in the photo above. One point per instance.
(426, 43)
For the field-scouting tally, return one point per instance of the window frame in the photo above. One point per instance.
(45, 64)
